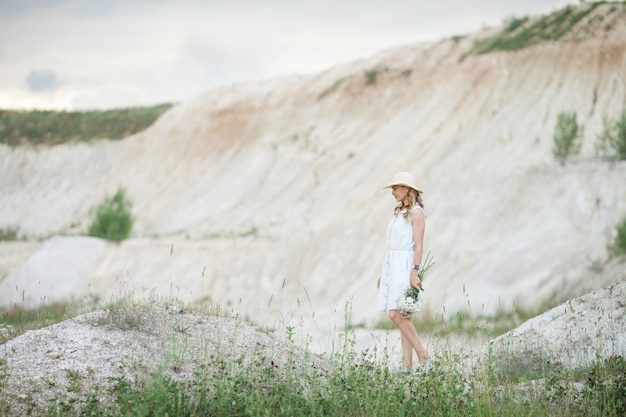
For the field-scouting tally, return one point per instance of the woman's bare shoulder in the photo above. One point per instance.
(418, 212)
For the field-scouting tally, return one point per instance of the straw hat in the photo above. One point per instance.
(403, 178)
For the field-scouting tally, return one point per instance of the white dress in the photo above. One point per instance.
(396, 269)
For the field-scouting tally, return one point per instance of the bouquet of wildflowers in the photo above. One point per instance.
(409, 302)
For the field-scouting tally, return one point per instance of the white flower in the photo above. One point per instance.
(408, 306)
(409, 301)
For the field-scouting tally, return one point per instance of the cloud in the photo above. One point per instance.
(128, 52)
(40, 81)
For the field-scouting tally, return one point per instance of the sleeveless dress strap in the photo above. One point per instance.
(417, 206)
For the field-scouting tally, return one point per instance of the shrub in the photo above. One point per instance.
(619, 247)
(567, 137)
(8, 234)
(612, 140)
(113, 220)
(370, 77)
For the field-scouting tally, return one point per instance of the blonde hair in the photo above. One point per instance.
(414, 197)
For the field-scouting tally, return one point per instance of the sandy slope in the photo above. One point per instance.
(266, 197)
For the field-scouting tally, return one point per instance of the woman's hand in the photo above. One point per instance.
(415, 281)
(378, 283)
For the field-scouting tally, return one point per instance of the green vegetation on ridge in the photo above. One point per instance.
(520, 33)
(37, 127)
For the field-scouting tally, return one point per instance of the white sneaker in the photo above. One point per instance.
(400, 370)
(426, 366)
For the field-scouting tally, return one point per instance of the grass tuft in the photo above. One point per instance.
(15, 322)
(619, 246)
(567, 139)
(371, 76)
(8, 234)
(612, 141)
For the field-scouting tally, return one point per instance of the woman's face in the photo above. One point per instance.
(399, 192)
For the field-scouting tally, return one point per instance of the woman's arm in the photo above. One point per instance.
(419, 225)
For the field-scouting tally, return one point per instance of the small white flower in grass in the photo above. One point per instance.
(409, 302)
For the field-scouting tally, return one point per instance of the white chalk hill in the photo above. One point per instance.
(266, 197)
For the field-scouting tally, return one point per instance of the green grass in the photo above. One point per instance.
(371, 76)
(619, 246)
(113, 219)
(611, 143)
(352, 384)
(8, 235)
(458, 38)
(520, 33)
(332, 88)
(15, 322)
(362, 389)
(468, 324)
(567, 138)
(37, 127)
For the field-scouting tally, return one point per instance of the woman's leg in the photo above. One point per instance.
(407, 352)
(407, 329)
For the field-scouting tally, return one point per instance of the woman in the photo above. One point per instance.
(405, 241)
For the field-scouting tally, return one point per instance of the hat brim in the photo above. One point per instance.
(404, 185)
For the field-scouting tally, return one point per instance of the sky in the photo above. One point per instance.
(86, 54)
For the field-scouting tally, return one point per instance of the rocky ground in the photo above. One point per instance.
(92, 352)
(133, 340)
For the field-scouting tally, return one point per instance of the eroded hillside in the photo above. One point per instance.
(267, 197)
